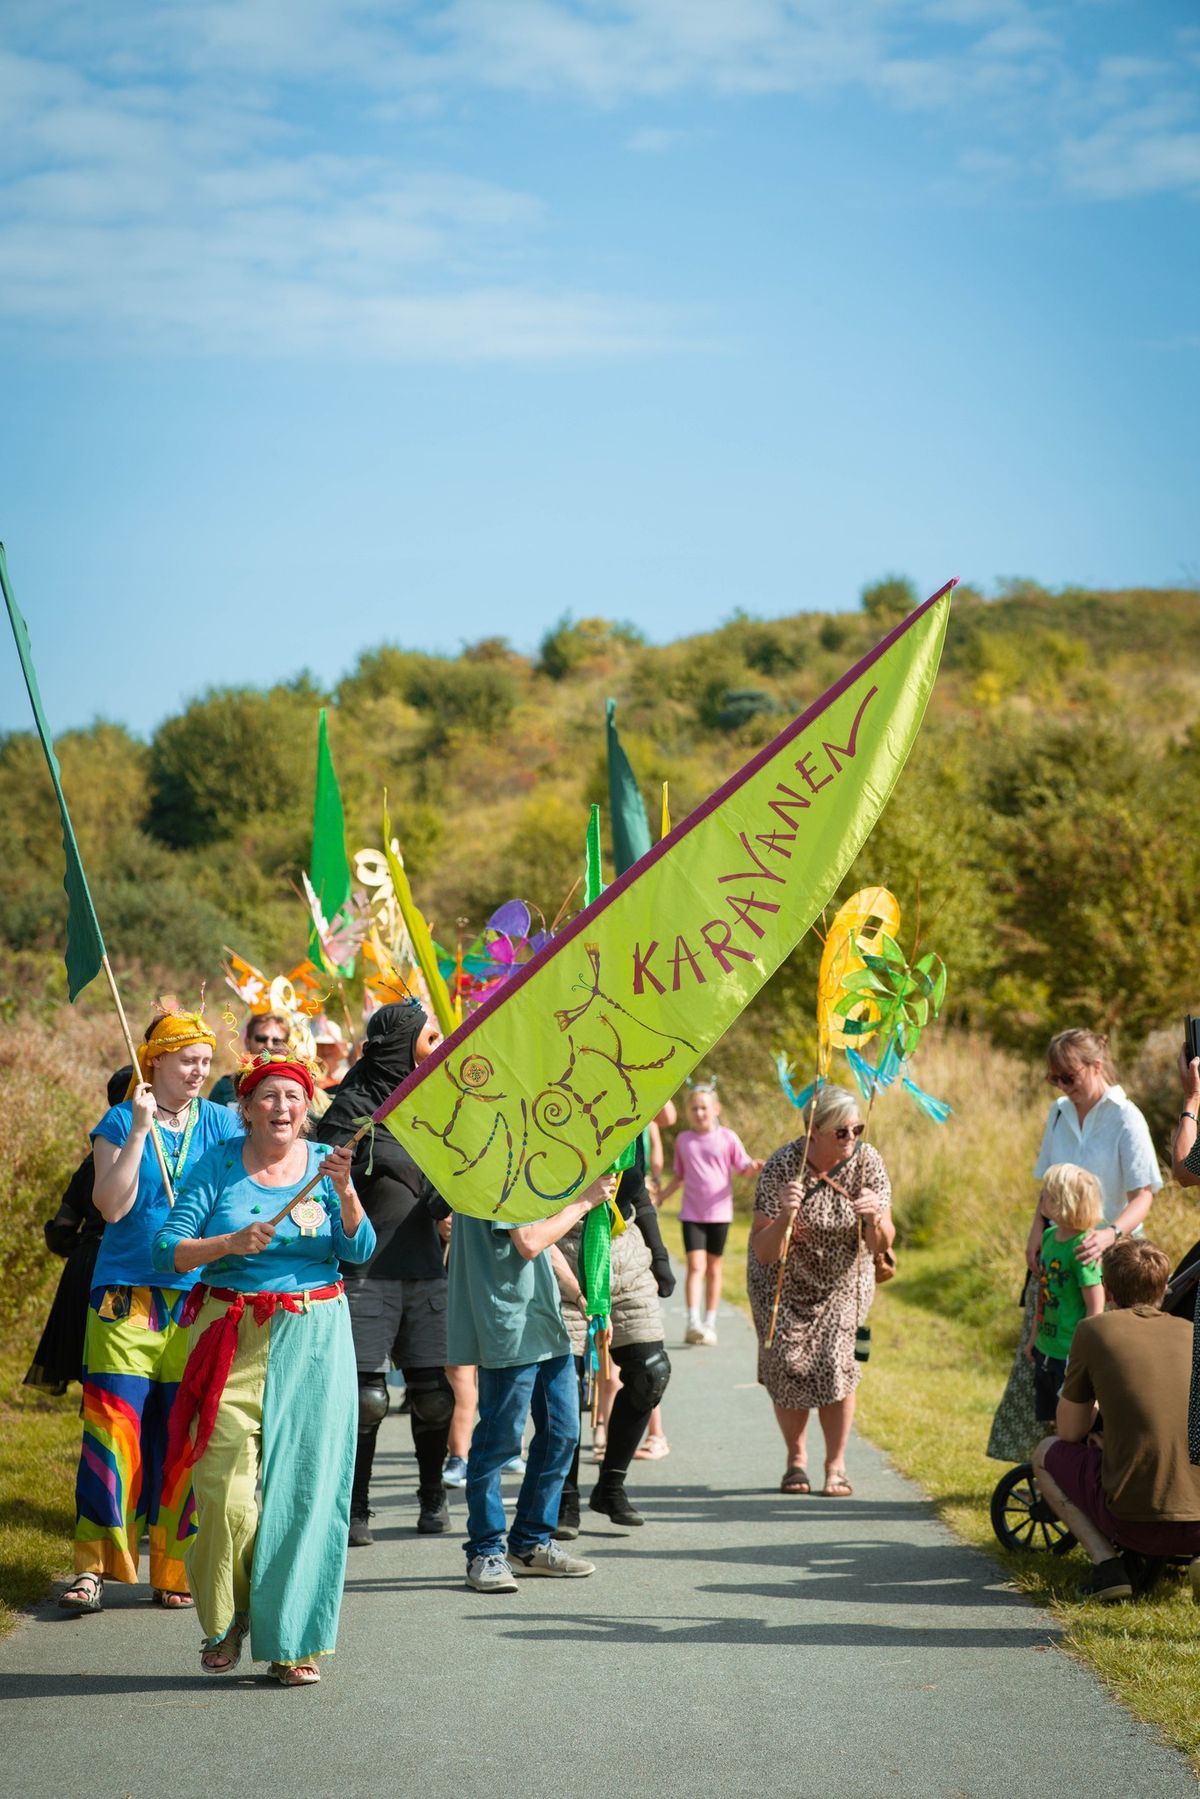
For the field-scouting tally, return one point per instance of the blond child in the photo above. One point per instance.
(1069, 1289)
(707, 1156)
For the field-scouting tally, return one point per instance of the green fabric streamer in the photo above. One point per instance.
(593, 869)
(627, 811)
(329, 869)
(85, 945)
(595, 1262)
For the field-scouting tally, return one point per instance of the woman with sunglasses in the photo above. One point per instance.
(834, 1190)
(1094, 1125)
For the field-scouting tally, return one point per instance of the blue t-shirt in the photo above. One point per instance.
(124, 1259)
(504, 1311)
(220, 1196)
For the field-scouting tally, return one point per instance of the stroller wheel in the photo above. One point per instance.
(1021, 1518)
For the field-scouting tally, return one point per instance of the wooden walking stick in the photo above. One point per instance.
(137, 1071)
(783, 1253)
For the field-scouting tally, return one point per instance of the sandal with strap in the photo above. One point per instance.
(795, 1480)
(171, 1601)
(223, 1656)
(836, 1485)
(652, 1450)
(85, 1594)
(303, 1674)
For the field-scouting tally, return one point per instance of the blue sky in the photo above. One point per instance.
(330, 322)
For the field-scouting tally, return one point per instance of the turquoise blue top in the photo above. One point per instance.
(504, 1311)
(125, 1258)
(220, 1196)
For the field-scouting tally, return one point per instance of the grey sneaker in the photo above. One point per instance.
(491, 1574)
(548, 1558)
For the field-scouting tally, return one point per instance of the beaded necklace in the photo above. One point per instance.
(175, 1166)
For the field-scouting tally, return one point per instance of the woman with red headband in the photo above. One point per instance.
(270, 1380)
(134, 1348)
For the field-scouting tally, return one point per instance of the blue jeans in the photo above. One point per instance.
(507, 1396)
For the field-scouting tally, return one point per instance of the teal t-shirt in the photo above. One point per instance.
(504, 1311)
(1063, 1278)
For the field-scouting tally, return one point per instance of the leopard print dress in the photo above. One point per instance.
(828, 1286)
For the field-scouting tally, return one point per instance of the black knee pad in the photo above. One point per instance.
(372, 1401)
(430, 1398)
(645, 1380)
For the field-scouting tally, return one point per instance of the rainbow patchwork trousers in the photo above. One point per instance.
(134, 1354)
(286, 1426)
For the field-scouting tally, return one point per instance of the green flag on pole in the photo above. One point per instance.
(329, 869)
(630, 826)
(85, 945)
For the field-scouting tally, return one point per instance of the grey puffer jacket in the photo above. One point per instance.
(635, 1314)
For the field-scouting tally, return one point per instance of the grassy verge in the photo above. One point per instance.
(39, 1448)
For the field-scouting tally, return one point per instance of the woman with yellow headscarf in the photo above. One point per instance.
(134, 1349)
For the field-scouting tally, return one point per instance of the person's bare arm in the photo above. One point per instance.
(118, 1167)
(1074, 1418)
(197, 1252)
(530, 1240)
(767, 1234)
(569, 1290)
(1137, 1206)
(1187, 1128)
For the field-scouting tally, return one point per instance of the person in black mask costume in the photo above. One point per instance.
(641, 1275)
(74, 1233)
(397, 1300)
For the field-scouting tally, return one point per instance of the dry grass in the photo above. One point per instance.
(39, 1448)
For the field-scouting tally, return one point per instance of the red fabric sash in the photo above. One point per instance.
(211, 1358)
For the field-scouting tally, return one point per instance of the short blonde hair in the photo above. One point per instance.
(829, 1107)
(1072, 1197)
(1068, 1051)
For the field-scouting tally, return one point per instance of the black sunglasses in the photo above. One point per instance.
(844, 1132)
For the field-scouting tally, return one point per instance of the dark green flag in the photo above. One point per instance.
(329, 870)
(85, 945)
(630, 826)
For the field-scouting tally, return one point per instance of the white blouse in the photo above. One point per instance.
(1113, 1143)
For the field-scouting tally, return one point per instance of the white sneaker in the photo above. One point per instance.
(491, 1574)
(548, 1558)
(694, 1334)
(708, 1335)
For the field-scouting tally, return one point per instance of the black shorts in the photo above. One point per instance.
(401, 1323)
(1048, 1377)
(709, 1237)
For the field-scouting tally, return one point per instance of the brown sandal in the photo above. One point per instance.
(170, 1600)
(795, 1480)
(836, 1485)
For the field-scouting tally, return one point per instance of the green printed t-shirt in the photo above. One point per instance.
(504, 1311)
(1063, 1278)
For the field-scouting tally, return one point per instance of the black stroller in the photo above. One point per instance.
(1021, 1518)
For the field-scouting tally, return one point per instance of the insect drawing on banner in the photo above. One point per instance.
(589, 1108)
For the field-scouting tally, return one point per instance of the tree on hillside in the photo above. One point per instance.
(887, 601)
(227, 758)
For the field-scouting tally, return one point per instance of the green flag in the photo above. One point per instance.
(630, 826)
(330, 867)
(85, 945)
(533, 1096)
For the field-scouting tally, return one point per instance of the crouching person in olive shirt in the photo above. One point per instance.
(1134, 1489)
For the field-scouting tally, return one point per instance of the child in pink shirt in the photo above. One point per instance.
(706, 1158)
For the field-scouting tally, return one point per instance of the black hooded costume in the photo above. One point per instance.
(397, 1300)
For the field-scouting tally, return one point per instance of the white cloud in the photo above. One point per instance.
(243, 174)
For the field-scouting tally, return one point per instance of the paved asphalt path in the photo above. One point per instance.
(742, 1642)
